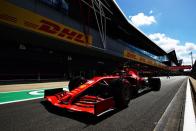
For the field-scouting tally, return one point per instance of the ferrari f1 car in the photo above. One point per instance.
(100, 94)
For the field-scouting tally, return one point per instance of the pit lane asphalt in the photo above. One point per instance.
(143, 113)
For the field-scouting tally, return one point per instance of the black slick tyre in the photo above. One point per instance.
(122, 92)
(155, 83)
(75, 82)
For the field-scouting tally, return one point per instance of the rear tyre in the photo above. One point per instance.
(75, 82)
(135, 92)
(122, 92)
(155, 83)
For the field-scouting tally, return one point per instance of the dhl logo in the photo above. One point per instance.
(52, 28)
(26, 19)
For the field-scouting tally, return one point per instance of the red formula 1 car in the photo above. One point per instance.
(100, 94)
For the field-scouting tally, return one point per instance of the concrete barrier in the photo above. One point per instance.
(193, 85)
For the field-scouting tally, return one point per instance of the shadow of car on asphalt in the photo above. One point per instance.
(81, 117)
(84, 117)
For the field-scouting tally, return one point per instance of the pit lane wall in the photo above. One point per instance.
(21, 14)
(193, 87)
(193, 83)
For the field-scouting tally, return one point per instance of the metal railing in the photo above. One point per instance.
(59, 4)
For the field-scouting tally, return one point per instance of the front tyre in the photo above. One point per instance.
(76, 82)
(122, 92)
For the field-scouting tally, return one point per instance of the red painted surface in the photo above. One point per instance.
(180, 67)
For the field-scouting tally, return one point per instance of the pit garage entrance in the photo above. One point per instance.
(26, 55)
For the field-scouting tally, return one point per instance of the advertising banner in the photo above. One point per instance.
(136, 57)
(25, 19)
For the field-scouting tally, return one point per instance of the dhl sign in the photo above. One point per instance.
(25, 19)
(135, 57)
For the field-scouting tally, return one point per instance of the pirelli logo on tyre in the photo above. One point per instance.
(22, 18)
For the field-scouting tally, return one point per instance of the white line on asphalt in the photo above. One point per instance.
(19, 100)
(64, 88)
(20, 91)
(189, 115)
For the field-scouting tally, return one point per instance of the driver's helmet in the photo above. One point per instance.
(123, 72)
(126, 68)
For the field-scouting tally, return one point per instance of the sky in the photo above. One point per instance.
(171, 24)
